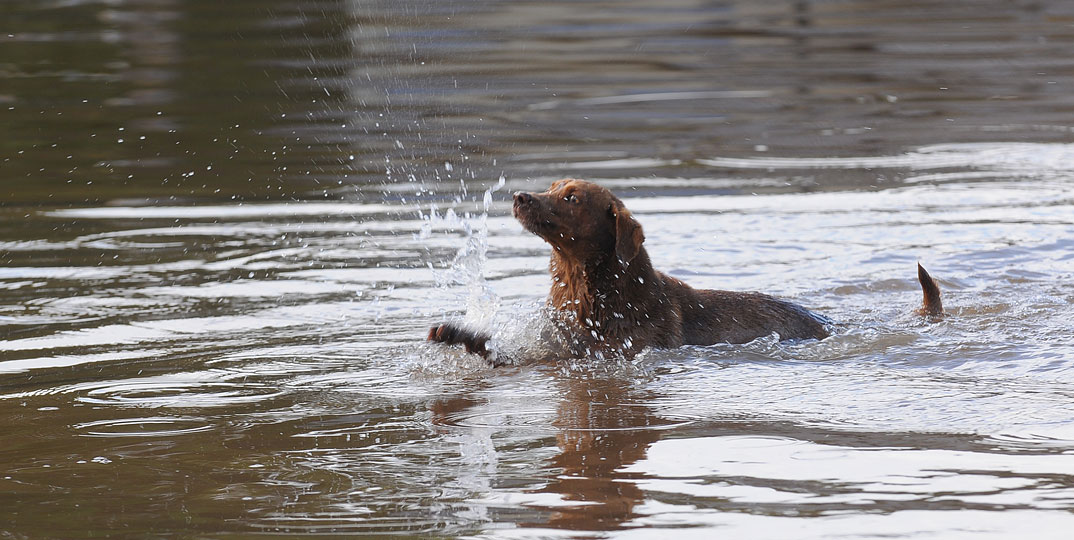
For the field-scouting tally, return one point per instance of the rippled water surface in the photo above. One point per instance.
(227, 227)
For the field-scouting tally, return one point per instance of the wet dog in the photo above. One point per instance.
(616, 304)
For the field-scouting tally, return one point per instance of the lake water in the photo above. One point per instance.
(227, 227)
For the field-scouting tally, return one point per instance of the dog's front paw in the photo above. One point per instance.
(451, 334)
(444, 333)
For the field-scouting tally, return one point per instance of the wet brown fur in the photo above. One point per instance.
(931, 307)
(605, 284)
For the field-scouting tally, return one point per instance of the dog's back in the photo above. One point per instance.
(714, 316)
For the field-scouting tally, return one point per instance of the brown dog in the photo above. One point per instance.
(618, 304)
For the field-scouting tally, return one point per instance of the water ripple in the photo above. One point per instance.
(175, 393)
(152, 426)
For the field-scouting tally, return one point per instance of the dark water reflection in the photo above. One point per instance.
(253, 364)
(201, 99)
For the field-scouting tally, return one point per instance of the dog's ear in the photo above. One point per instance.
(628, 234)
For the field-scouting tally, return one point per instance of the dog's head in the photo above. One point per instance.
(583, 221)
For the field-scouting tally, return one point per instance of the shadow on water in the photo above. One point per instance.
(225, 228)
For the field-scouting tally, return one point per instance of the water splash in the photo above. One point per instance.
(469, 266)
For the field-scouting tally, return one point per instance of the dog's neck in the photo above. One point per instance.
(592, 288)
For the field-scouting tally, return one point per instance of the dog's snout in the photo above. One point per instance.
(523, 198)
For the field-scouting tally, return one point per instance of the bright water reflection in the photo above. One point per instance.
(253, 368)
(266, 362)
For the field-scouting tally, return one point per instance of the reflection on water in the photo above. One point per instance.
(264, 364)
(254, 364)
(270, 99)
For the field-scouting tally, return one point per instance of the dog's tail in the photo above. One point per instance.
(932, 306)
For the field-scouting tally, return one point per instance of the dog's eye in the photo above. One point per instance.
(572, 198)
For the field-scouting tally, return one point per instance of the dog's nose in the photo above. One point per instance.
(523, 198)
